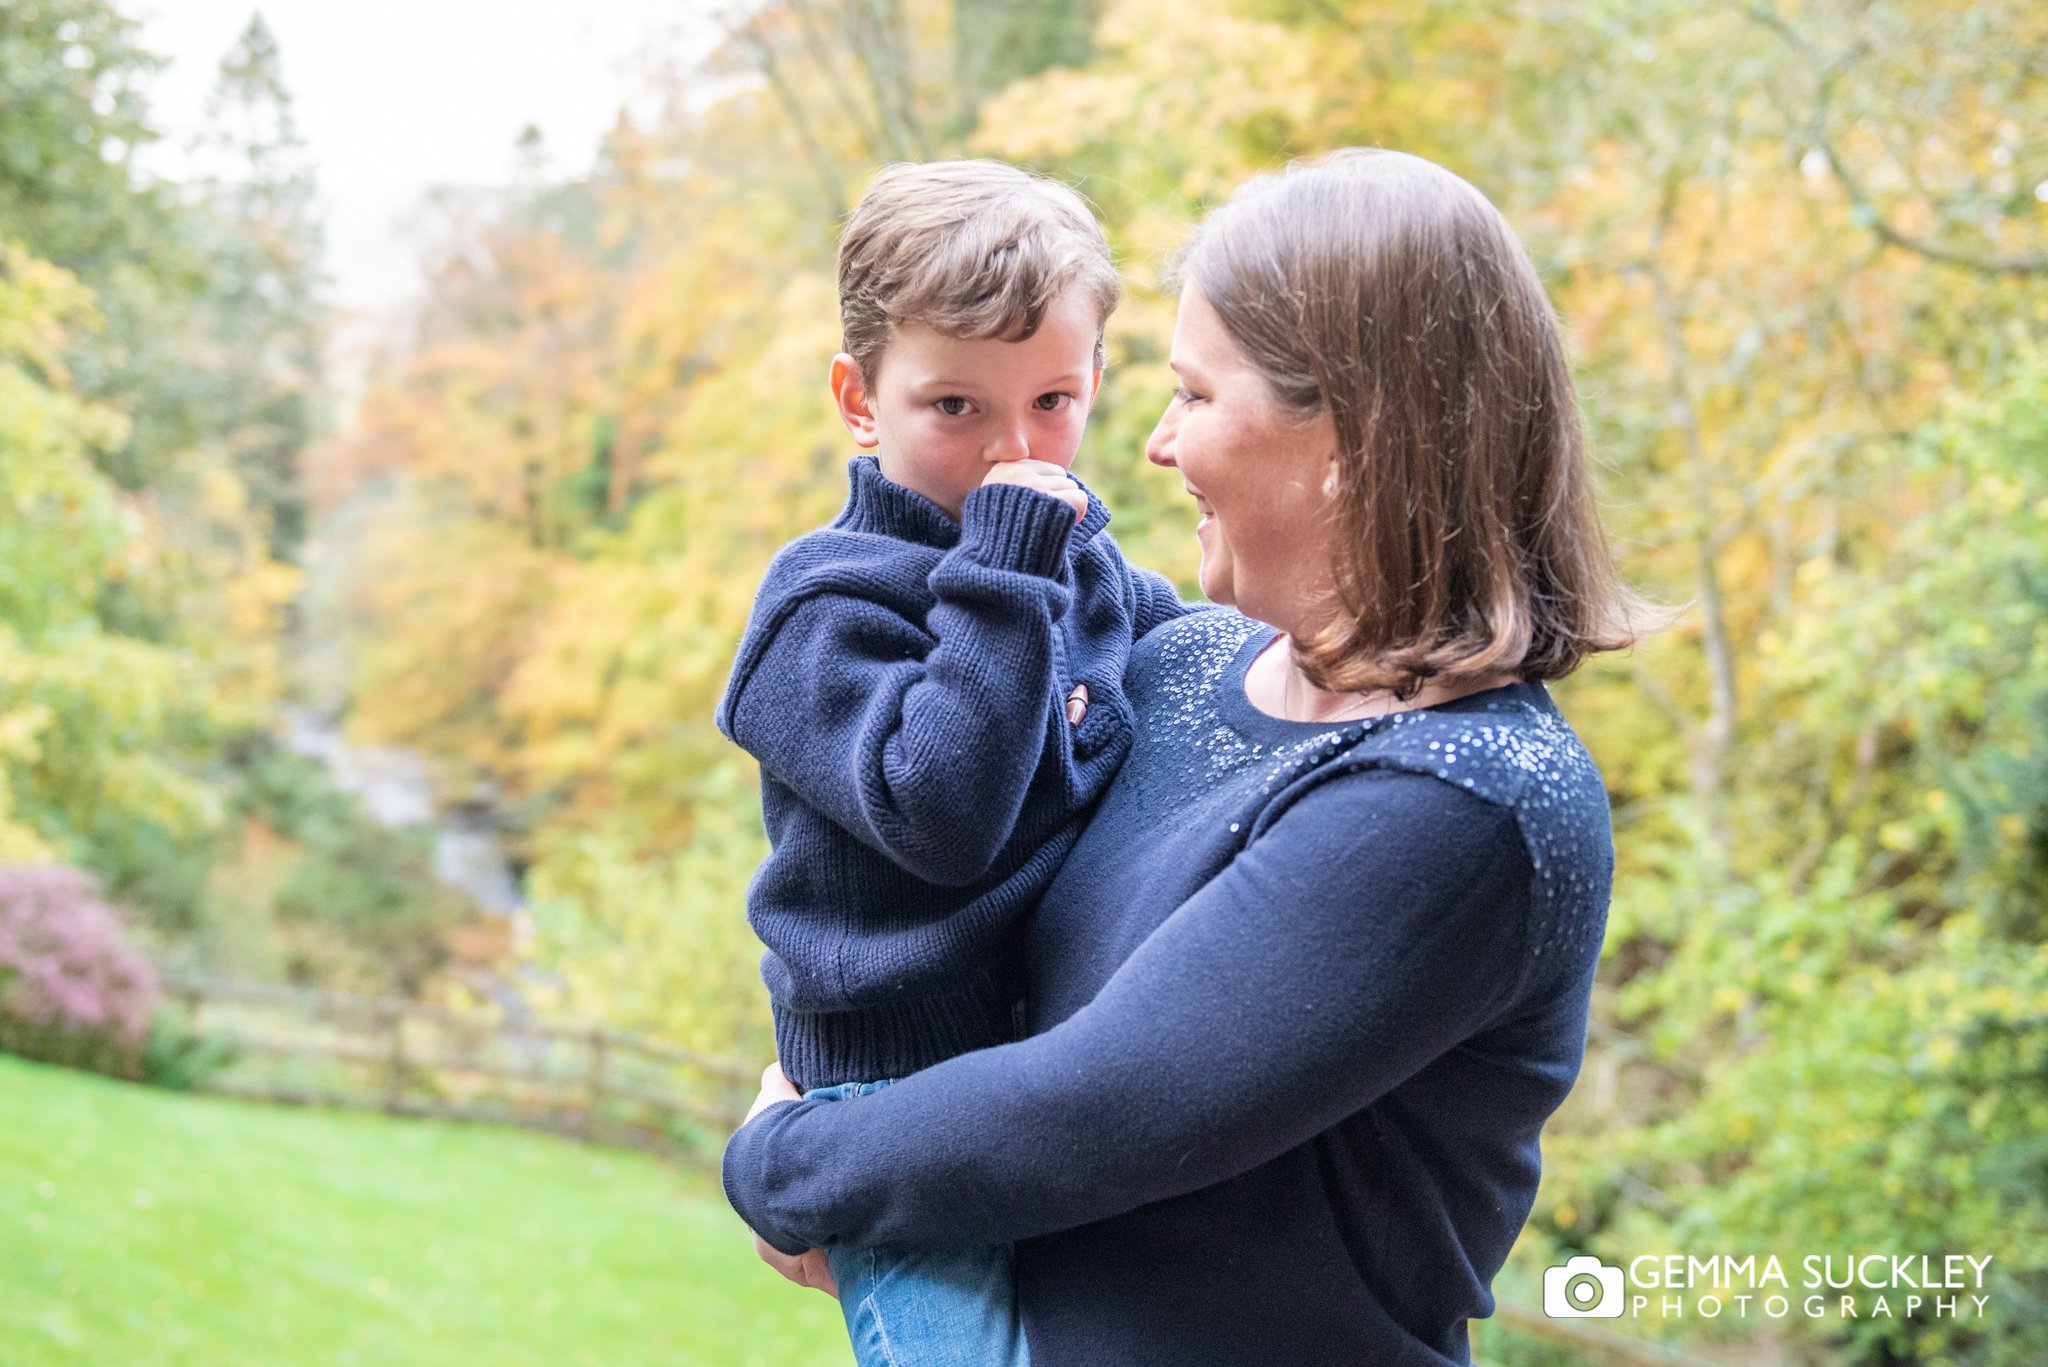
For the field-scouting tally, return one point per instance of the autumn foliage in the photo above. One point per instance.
(1801, 250)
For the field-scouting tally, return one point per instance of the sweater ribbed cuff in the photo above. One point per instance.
(1007, 526)
(895, 1039)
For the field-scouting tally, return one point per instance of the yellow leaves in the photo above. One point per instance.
(18, 843)
(1180, 83)
(222, 495)
(257, 596)
(60, 525)
(658, 942)
(757, 429)
(1057, 113)
(452, 600)
(107, 712)
(20, 727)
(40, 305)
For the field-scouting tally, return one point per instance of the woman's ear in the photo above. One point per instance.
(856, 406)
(1333, 457)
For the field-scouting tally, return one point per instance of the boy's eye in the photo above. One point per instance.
(952, 405)
(1052, 403)
(1183, 394)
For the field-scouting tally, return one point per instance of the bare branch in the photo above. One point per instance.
(896, 34)
(1864, 207)
(1666, 702)
(866, 25)
(1717, 733)
(875, 135)
(814, 150)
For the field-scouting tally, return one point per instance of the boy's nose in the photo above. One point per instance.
(1008, 444)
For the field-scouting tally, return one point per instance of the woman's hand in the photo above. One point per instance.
(808, 1268)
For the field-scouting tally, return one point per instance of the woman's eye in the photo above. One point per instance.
(1183, 394)
(1052, 403)
(952, 405)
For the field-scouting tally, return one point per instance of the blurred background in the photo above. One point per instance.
(398, 405)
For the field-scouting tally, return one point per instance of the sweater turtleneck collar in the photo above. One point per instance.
(876, 504)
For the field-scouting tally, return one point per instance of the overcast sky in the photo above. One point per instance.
(396, 96)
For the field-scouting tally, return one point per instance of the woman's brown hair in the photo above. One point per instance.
(1385, 291)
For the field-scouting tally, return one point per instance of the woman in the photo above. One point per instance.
(1306, 990)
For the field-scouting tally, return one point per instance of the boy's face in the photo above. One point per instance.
(947, 409)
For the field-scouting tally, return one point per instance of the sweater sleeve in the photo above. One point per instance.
(1374, 926)
(1150, 596)
(1154, 601)
(920, 740)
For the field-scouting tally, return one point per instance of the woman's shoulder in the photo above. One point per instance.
(1511, 748)
(1192, 651)
(1507, 745)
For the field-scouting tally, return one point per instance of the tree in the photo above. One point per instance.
(94, 725)
(1793, 246)
(263, 314)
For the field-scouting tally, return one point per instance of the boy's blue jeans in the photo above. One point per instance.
(912, 1308)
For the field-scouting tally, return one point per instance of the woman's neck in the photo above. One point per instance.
(1276, 685)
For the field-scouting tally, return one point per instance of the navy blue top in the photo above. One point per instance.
(1301, 999)
(903, 682)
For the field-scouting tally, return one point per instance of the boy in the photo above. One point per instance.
(933, 684)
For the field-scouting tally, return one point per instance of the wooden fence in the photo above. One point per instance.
(318, 1048)
(308, 1047)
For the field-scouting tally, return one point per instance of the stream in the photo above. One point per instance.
(396, 790)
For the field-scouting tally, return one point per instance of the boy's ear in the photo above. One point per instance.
(856, 408)
(1095, 386)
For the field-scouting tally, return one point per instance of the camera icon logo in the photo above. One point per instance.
(1583, 1289)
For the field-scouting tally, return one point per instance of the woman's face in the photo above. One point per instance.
(1259, 475)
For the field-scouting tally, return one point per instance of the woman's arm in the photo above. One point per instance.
(1375, 925)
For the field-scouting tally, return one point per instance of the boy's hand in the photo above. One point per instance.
(774, 1087)
(1043, 476)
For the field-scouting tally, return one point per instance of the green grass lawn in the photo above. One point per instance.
(141, 1228)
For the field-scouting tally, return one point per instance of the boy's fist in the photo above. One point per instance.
(1043, 476)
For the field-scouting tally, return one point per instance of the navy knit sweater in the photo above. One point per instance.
(1302, 998)
(903, 682)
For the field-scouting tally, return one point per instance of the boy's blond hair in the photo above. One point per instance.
(968, 249)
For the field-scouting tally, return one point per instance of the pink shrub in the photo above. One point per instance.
(73, 990)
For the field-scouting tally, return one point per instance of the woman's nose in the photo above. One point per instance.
(1159, 446)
